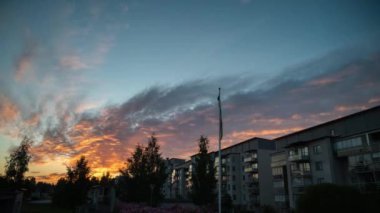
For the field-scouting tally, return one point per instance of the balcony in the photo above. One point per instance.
(253, 180)
(250, 169)
(299, 157)
(301, 173)
(352, 150)
(253, 186)
(298, 189)
(300, 182)
(365, 167)
(252, 157)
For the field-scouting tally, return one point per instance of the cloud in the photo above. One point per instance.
(8, 110)
(73, 63)
(50, 178)
(24, 65)
(179, 114)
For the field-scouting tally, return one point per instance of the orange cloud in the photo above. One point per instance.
(8, 110)
(50, 178)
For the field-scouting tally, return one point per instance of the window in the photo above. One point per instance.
(233, 187)
(293, 167)
(375, 137)
(276, 171)
(243, 177)
(255, 176)
(278, 184)
(234, 197)
(279, 198)
(233, 168)
(319, 165)
(320, 180)
(233, 177)
(305, 151)
(317, 149)
(376, 156)
(349, 143)
(305, 167)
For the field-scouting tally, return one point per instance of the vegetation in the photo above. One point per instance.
(328, 197)
(42, 208)
(71, 191)
(17, 163)
(203, 176)
(143, 178)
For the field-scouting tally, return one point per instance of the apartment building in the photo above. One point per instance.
(342, 151)
(180, 178)
(169, 188)
(246, 173)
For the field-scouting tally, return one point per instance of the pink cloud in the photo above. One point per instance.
(24, 63)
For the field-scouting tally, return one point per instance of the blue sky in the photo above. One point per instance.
(156, 65)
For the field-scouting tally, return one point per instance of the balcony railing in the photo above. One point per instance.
(250, 159)
(299, 157)
(300, 172)
(352, 150)
(250, 169)
(365, 167)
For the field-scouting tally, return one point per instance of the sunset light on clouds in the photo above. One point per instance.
(96, 78)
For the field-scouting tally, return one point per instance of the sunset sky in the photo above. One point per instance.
(95, 78)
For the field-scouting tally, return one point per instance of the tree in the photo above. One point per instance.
(71, 191)
(17, 163)
(203, 176)
(106, 179)
(328, 197)
(145, 174)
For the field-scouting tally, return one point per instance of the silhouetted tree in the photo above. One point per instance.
(106, 179)
(145, 175)
(17, 162)
(72, 190)
(203, 176)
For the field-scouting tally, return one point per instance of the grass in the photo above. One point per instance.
(42, 208)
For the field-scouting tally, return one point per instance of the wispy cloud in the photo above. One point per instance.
(73, 63)
(24, 62)
(67, 126)
(180, 114)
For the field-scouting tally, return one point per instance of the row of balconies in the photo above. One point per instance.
(251, 168)
(300, 172)
(299, 157)
(251, 157)
(363, 168)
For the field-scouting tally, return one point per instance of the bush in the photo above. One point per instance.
(330, 198)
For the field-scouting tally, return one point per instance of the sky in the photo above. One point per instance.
(96, 78)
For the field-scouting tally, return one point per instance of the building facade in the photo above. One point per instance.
(246, 173)
(259, 172)
(343, 151)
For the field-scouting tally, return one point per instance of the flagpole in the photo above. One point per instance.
(220, 156)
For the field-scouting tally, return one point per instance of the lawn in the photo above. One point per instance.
(42, 208)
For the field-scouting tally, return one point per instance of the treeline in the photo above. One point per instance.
(140, 181)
